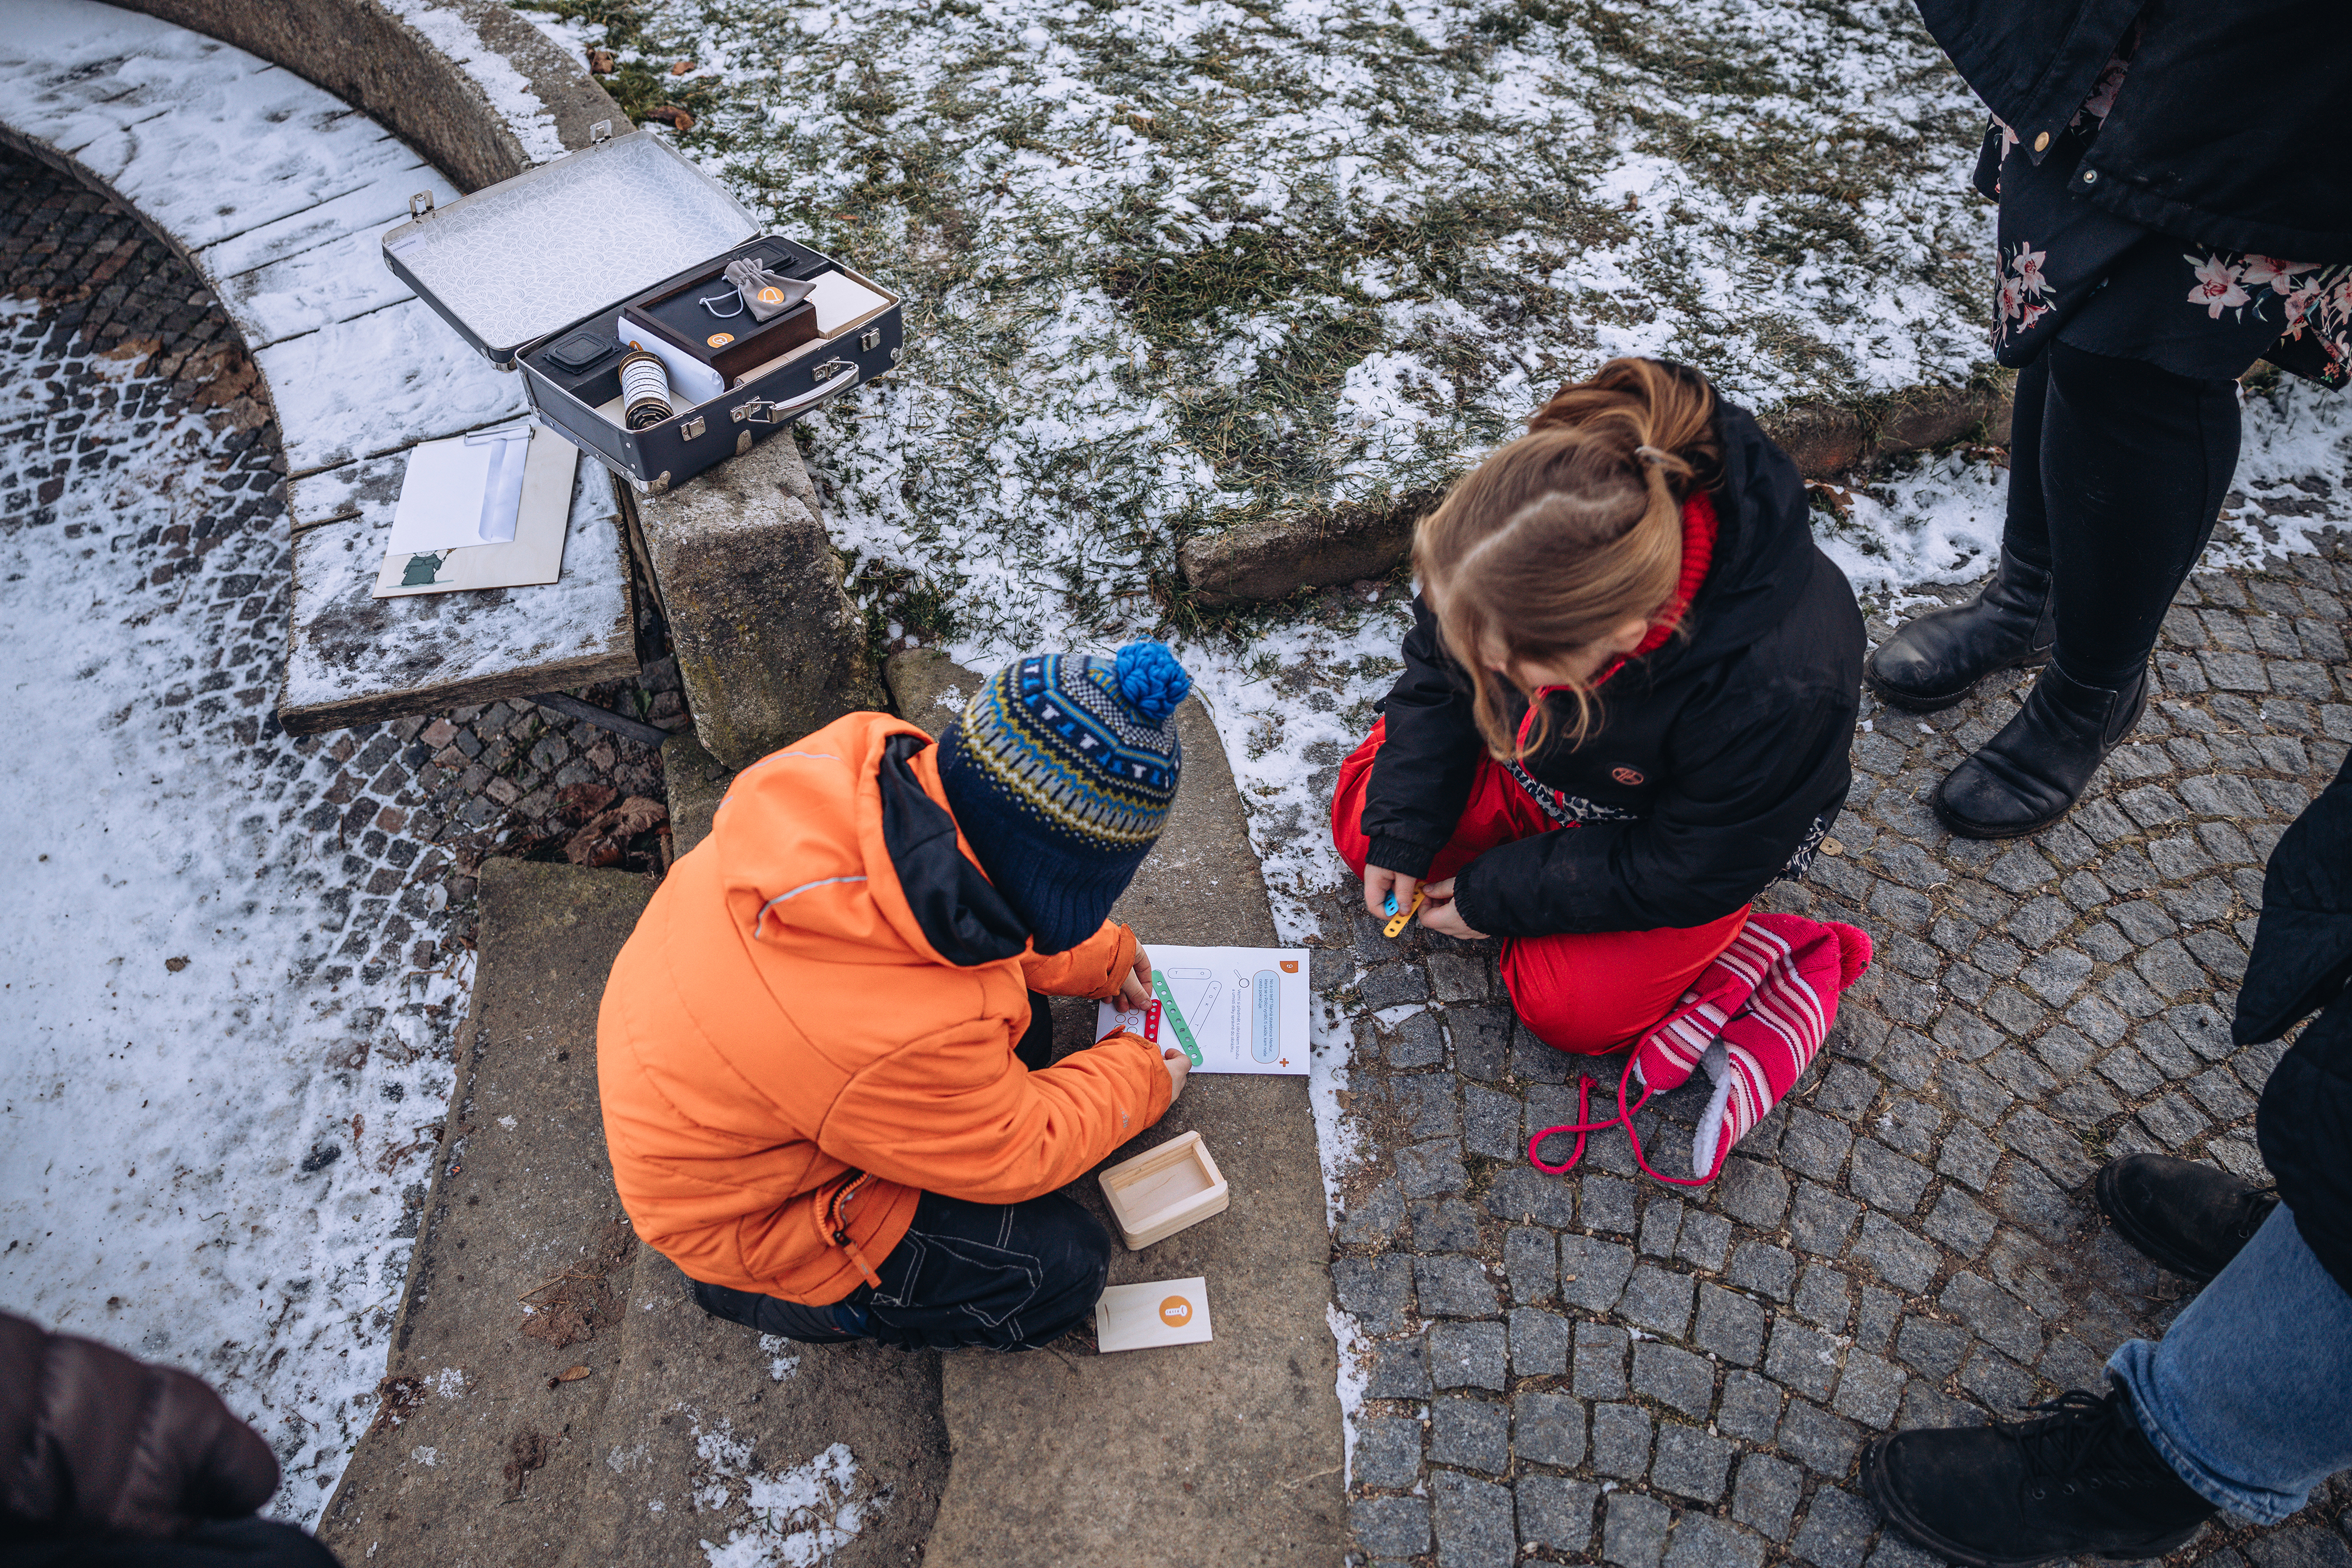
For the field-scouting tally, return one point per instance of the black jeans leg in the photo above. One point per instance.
(1004, 1276)
(998, 1276)
(2135, 462)
(769, 1314)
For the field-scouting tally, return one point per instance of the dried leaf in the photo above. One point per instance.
(683, 68)
(571, 1374)
(601, 62)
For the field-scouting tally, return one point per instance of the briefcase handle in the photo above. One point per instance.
(761, 411)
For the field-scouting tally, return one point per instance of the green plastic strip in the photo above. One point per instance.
(1175, 1015)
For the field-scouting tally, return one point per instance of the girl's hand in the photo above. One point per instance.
(1135, 988)
(1440, 914)
(1180, 1067)
(1379, 883)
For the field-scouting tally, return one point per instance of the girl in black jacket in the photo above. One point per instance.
(1624, 634)
(2168, 216)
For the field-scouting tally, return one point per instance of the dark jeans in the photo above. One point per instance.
(217, 1543)
(2117, 471)
(986, 1275)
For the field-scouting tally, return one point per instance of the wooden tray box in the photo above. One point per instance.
(1161, 1191)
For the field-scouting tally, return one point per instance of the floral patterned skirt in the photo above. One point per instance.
(2110, 286)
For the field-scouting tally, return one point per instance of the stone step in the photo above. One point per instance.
(681, 1430)
(1226, 1453)
(482, 1447)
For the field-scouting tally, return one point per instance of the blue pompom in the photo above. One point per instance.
(1151, 680)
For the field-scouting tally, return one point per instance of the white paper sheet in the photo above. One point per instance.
(440, 505)
(841, 300)
(1231, 1009)
(1160, 1311)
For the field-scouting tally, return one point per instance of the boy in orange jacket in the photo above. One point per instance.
(822, 1055)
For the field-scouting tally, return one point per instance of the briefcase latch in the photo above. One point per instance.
(420, 204)
(870, 339)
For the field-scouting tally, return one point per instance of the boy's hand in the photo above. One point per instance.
(1379, 883)
(1180, 1067)
(1135, 988)
(1441, 914)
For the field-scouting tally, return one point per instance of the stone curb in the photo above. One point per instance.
(482, 93)
(1267, 561)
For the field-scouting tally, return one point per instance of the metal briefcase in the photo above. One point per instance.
(521, 268)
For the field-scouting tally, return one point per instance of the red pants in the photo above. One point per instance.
(1589, 992)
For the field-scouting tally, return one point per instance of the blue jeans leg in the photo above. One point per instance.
(2250, 1396)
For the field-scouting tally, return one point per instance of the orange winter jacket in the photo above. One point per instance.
(813, 1024)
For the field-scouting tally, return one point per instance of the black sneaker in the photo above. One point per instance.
(2191, 1218)
(2079, 1482)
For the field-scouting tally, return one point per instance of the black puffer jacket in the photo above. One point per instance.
(2229, 126)
(94, 1443)
(1735, 737)
(2302, 955)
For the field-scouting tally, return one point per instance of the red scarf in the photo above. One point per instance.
(1699, 529)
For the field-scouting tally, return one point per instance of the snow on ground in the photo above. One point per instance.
(222, 1078)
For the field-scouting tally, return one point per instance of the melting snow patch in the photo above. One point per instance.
(797, 1517)
(786, 1361)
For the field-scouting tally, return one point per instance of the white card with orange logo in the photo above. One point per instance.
(1231, 1009)
(1161, 1312)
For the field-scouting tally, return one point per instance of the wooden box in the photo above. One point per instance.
(1161, 1191)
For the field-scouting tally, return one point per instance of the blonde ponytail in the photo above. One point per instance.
(1566, 533)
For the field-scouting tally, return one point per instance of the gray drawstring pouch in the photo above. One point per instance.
(766, 294)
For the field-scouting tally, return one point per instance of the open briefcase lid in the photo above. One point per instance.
(527, 257)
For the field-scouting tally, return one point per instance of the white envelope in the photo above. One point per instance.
(1162, 1311)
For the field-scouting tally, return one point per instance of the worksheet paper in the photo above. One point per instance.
(1231, 1009)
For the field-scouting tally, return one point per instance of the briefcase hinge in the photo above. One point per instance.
(870, 339)
(600, 132)
(420, 204)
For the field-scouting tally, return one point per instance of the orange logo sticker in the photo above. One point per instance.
(1176, 1312)
(1629, 777)
(1291, 966)
(772, 295)
(720, 339)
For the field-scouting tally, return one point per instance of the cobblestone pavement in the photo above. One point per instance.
(417, 802)
(1601, 1367)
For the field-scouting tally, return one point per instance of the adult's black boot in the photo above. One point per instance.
(2082, 1481)
(1938, 659)
(2190, 1217)
(2032, 772)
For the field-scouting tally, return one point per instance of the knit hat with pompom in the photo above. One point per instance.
(1060, 772)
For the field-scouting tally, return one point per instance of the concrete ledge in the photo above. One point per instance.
(479, 92)
(1272, 559)
(769, 646)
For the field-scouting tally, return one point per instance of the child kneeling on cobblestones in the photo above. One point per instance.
(822, 1055)
(1628, 701)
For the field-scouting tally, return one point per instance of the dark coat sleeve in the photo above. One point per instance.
(96, 1443)
(1752, 768)
(2302, 956)
(1429, 759)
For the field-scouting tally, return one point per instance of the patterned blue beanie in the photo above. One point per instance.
(1060, 772)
